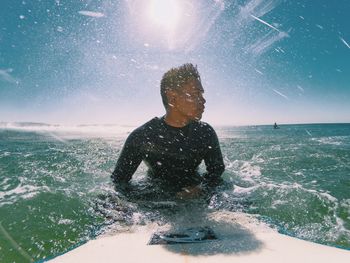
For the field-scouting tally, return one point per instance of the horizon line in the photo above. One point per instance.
(136, 125)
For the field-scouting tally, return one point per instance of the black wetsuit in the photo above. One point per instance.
(172, 154)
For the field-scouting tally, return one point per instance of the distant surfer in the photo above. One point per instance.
(174, 145)
(275, 126)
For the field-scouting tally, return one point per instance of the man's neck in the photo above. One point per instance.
(176, 120)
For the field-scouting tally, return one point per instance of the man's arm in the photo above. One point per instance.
(129, 159)
(213, 161)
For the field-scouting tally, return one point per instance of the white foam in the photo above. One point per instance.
(65, 221)
(4, 184)
(286, 186)
(64, 132)
(246, 170)
(299, 174)
(21, 191)
(277, 203)
(329, 197)
(332, 140)
(4, 154)
(258, 159)
(249, 171)
(346, 204)
(244, 190)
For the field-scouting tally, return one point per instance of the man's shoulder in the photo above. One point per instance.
(148, 126)
(139, 134)
(204, 126)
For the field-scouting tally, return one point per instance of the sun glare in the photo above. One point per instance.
(165, 13)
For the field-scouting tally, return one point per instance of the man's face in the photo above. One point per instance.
(189, 100)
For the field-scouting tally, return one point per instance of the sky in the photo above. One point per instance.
(101, 61)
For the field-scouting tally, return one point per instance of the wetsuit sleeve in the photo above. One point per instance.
(213, 161)
(129, 159)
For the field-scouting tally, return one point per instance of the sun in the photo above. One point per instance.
(164, 13)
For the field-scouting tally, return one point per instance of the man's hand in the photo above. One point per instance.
(190, 192)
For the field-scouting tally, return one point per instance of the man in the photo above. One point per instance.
(174, 145)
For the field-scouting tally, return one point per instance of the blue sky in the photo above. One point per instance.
(102, 61)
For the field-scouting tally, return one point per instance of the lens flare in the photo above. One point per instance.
(164, 13)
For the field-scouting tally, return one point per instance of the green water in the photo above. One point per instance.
(296, 178)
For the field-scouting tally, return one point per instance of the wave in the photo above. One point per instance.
(333, 140)
(55, 130)
(21, 192)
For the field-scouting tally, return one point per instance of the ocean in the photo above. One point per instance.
(56, 193)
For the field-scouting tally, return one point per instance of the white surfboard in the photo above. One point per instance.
(240, 238)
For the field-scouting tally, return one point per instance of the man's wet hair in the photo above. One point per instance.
(175, 78)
